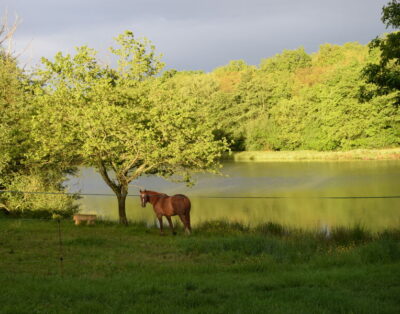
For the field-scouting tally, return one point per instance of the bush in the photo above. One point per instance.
(222, 226)
(347, 235)
(271, 228)
(36, 203)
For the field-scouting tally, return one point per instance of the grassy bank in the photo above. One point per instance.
(221, 268)
(359, 154)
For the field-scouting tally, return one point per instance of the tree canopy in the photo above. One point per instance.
(122, 121)
(385, 74)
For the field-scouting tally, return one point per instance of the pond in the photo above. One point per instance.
(295, 194)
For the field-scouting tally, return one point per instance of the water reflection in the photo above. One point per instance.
(300, 183)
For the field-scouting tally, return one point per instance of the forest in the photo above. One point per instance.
(295, 101)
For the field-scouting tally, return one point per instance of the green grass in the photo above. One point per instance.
(359, 154)
(221, 268)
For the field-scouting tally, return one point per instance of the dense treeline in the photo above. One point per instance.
(295, 101)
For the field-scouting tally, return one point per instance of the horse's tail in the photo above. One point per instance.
(188, 205)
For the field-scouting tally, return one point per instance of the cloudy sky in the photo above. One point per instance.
(193, 34)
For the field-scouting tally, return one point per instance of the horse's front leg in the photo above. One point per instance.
(161, 225)
(170, 224)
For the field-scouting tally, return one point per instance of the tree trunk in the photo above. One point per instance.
(120, 190)
(121, 208)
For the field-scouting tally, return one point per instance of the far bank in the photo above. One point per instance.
(309, 155)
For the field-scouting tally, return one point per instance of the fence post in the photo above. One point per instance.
(60, 248)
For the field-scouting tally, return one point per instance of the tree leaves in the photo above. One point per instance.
(385, 74)
(124, 118)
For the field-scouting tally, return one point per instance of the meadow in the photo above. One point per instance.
(221, 268)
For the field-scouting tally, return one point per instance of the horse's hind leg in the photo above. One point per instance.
(161, 225)
(171, 225)
(189, 228)
(186, 222)
(183, 219)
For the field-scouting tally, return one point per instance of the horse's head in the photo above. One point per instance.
(144, 198)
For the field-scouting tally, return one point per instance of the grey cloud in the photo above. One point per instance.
(198, 34)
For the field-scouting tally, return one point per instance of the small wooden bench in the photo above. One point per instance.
(90, 219)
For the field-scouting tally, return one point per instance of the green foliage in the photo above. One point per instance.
(137, 59)
(35, 201)
(385, 73)
(19, 172)
(292, 101)
(295, 101)
(288, 60)
(271, 228)
(391, 14)
(347, 236)
(14, 115)
(232, 66)
(123, 121)
(256, 131)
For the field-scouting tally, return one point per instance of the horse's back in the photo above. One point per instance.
(181, 204)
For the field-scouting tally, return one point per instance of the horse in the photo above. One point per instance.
(168, 206)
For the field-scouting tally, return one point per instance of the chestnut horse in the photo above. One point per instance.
(168, 206)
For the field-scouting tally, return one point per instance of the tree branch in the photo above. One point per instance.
(130, 165)
(7, 31)
(138, 172)
(106, 178)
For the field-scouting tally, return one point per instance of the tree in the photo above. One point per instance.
(120, 121)
(18, 172)
(11, 96)
(288, 60)
(386, 74)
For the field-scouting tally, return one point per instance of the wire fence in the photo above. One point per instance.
(213, 196)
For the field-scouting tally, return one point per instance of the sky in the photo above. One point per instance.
(192, 34)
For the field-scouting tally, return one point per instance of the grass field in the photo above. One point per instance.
(220, 268)
(305, 155)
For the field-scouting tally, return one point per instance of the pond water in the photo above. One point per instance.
(296, 194)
